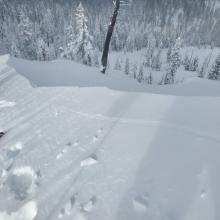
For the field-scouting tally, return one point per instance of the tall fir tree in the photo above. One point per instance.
(26, 37)
(215, 71)
(79, 45)
(156, 62)
(140, 76)
(42, 50)
(15, 52)
(174, 63)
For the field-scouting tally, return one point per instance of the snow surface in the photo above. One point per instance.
(106, 147)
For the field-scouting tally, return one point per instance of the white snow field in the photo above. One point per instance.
(79, 145)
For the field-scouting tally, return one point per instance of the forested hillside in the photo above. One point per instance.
(46, 24)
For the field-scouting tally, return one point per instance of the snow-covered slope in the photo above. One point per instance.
(106, 148)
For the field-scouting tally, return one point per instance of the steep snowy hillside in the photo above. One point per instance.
(105, 147)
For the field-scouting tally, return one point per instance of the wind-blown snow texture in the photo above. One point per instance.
(103, 150)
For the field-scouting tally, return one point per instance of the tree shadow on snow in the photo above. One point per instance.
(178, 177)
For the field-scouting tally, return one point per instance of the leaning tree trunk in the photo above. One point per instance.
(109, 36)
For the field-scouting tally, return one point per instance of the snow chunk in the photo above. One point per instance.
(88, 207)
(15, 150)
(89, 161)
(21, 182)
(67, 209)
(140, 204)
(27, 212)
(5, 104)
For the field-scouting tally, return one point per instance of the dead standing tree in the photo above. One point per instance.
(110, 31)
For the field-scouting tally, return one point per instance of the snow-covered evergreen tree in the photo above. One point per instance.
(47, 28)
(175, 57)
(194, 64)
(186, 63)
(26, 37)
(68, 51)
(203, 70)
(174, 63)
(134, 70)
(169, 54)
(42, 50)
(215, 71)
(15, 52)
(151, 45)
(79, 44)
(149, 78)
(191, 64)
(140, 76)
(156, 62)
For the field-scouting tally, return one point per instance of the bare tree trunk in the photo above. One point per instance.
(109, 36)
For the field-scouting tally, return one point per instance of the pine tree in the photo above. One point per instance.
(175, 57)
(194, 64)
(203, 70)
(79, 45)
(47, 28)
(51, 52)
(191, 64)
(186, 63)
(151, 45)
(15, 52)
(215, 71)
(169, 54)
(127, 67)
(68, 51)
(169, 78)
(149, 78)
(140, 76)
(156, 62)
(174, 63)
(25, 37)
(42, 50)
